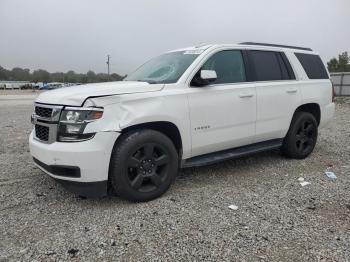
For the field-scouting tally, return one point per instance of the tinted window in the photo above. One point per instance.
(229, 66)
(313, 66)
(270, 65)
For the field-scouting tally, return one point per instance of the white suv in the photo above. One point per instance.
(188, 107)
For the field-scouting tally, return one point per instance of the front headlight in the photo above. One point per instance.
(73, 122)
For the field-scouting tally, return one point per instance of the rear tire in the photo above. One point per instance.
(143, 165)
(301, 137)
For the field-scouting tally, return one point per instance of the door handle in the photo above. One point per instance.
(246, 95)
(290, 91)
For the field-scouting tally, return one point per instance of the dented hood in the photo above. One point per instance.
(76, 95)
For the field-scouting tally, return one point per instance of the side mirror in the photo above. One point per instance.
(204, 77)
(208, 75)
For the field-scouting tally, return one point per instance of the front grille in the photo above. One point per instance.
(45, 119)
(43, 111)
(42, 132)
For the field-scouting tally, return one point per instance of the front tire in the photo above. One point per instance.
(143, 165)
(301, 138)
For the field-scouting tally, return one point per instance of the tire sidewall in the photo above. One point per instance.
(289, 145)
(129, 143)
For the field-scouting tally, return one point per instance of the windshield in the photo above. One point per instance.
(166, 68)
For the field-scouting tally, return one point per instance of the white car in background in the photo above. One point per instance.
(185, 108)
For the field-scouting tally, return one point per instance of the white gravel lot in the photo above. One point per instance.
(277, 219)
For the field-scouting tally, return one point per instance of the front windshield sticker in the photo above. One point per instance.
(194, 52)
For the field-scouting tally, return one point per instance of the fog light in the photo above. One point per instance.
(73, 129)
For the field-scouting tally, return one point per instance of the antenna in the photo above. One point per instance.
(108, 65)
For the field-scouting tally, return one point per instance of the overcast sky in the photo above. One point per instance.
(77, 35)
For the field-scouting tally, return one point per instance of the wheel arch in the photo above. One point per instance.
(312, 108)
(165, 127)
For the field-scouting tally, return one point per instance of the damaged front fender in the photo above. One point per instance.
(125, 111)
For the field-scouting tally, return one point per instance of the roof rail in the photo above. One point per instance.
(274, 45)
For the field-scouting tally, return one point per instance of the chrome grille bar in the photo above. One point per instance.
(45, 118)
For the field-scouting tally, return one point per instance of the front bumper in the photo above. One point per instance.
(87, 189)
(82, 167)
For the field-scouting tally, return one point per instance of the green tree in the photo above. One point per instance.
(101, 77)
(20, 74)
(4, 74)
(91, 76)
(57, 77)
(81, 78)
(339, 65)
(41, 75)
(333, 65)
(343, 61)
(71, 77)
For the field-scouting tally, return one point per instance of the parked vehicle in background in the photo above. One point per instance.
(13, 84)
(185, 108)
(38, 85)
(52, 85)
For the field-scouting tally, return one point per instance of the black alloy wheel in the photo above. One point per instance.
(305, 136)
(302, 135)
(143, 165)
(147, 167)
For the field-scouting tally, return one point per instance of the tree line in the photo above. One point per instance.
(339, 65)
(40, 75)
(19, 74)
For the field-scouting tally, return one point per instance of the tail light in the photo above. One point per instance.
(333, 92)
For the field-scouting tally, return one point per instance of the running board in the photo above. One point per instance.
(215, 157)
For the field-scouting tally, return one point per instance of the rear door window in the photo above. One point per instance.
(270, 65)
(313, 66)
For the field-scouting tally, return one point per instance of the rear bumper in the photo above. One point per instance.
(327, 113)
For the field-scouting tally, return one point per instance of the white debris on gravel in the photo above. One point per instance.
(304, 183)
(330, 175)
(233, 207)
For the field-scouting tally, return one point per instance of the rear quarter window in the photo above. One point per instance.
(313, 66)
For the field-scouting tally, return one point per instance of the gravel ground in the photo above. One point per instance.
(19, 92)
(277, 219)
